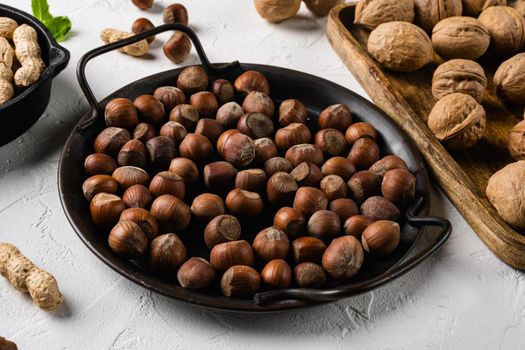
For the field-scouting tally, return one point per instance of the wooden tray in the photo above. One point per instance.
(407, 98)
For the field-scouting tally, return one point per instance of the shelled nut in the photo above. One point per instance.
(97, 184)
(333, 187)
(167, 182)
(99, 164)
(132, 153)
(205, 103)
(127, 176)
(271, 243)
(192, 79)
(225, 255)
(324, 224)
(309, 275)
(364, 184)
(292, 111)
(121, 113)
(219, 176)
(399, 187)
(240, 281)
(244, 203)
(207, 206)
(381, 237)
(304, 152)
(308, 200)
(150, 109)
(127, 240)
(364, 153)
(359, 130)
(185, 114)
(259, 102)
(291, 135)
(331, 141)
(175, 13)
(290, 221)
(170, 96)
(340, 166)
(171, 213)
(174, 130)
(307, 174)
(308, 249)
(186, 169)
(223, 90)
(144, 219)
(265, 149)
(144, 132)
(252, 180)
(251, 81)
(106, 208)
(161, 150)
(221, 229)
(343, 258)
(379, 208)
(388, 163)
(196, 273)
(210, 128)
(255, 124)
(229, 114)
(167, 252)
(281, 188)
(137, 196)
(277, 274)
(196, 147)
(237, 148)
(337, 116)
(110, 140)
(344, 208)
(355, 225)
(277, 164)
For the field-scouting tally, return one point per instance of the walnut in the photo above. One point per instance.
(371, 13)
(517, 141)
(518, 5)
(475, 7)
(509, 79)
(400, 46)
(458, 121)
(506, 192)
(506, 29)
(460, 37)
(459, 75)
(429, 12)
(277, 10)
(322, 7)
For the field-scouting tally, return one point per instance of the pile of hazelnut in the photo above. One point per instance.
(221, 164)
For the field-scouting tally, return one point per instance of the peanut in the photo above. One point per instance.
(6, 74)
(7, 27)
(29, 55)
(111, 35)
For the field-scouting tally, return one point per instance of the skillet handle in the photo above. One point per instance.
(81, 67)
(425, 245)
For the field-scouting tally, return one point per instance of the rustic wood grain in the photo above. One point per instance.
(407, 98)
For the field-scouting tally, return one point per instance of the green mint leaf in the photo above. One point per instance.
(58, 26)
(40, 9)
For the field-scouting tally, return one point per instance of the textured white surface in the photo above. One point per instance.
(462, 298)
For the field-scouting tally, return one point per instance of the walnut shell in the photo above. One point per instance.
(322, 7)
(277, 10)
(458, 121)
(509, 79)
(518, 5)
(460, 37)
(506, 29)
(506, 192)
(517, 141)
(371, 13)
(400, 46)
(475, 7)
(459, 75)
(430, 12)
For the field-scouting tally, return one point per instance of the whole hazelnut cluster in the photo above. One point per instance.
(193, 154)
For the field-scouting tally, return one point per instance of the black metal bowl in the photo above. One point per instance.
(416, 244)
(20, 113)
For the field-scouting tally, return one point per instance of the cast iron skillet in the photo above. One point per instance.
(416, 243)
(20, 113)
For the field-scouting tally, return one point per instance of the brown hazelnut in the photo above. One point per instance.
(206, 206)
(307, 174)
(186, 169)
(324, 224)
(309, 200)
(196, 273)
(99, 163)
(253, 180)
(205, 103)
(229, 114)
(167, 182)
(304, 152)
(97, 184)
(110, 140)
(277, 274)
(291, 135)
(331, 141)
(292, 111)
(171, 213)
(144, 219)
(359, 130)
(343, 258)
(335, 117)
(381, 237)
(210, 128)
(143, 4)
(290, 221)
(364, 153)
(344, 208)
(240, 281)
(219, 175)
(252, 81)
(265, 149)
(127, 240)
(355, 225)
(223, 90)
(259, 102)
(196, 147)
(309, 275)
(178, 47)
(364, 184)
(137, 196)
(222, 228)
(127, 176)
(388, 163)
(132, 153)
(185, 114)
(192, 80)
(141, 25)
(308, 249)
(236, 148)
(255, 125)
(244, 203)
(339, 166)
(276, 164)
(227, 254)
(175, 13)
(379, 208)
(166, 254)
(106, 209)
(150, 109)
(516, 141)
(144, 132)
(121, 113)
(161, 150)
(8, 345)
(271, 243)
(174, 130)
(170, 96)
(399, 187)
(281, 188)
(333, 187)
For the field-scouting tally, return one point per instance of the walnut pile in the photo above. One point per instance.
(371, 13)
(458, 75)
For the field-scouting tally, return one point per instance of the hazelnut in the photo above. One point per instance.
(337, 116)
(308, 200)
(236, 148)
(281, 188)
(6, 344)
(174, 130)
(110, 140)
(132, 153)
(205, 103)
(161, 150)
(221, 229)
(223, 90)
(517, 141)
(150, 109)
(343, 258)
(309, 275)
(358, 130)
(127, 240)
(141, 25)
(251, 81)
(370, 14)
(304, 152)
(277, 164)
(355, 225)
(458, 75)
(185, 114)
(388, 163)
(308, 249)
(244, 203)
(339, 166)
(127, 176)
(255, 125)
(428, 12)
(277, 274)
(333, 187)
(292, 111)
(210, 128)
(331, 141)
(178, 47)
(271, 243)
(97, 184)
(506, 29)
(171, 213)
(364, 184)
(137, 196)
(167, 182)
(121, 113)
(344, 208)
(144, 219)
(251, 180)
(166, 254)
(399, 187)
(324, 224)
(291, 135)
(106, 209)
(99, 163)
(206, 206)
(277, 11)
(259, 102)
(307, 174)
(290, 221)
(509, 79)
(143, 4)
(229, 114)
(227, 254)
(192, 80)
(196, 147)
(144, 132)
(364, 153)
(186, 169)
(240, 281)
(265, 149)
(175, 13)
(170, 96)
(379, 208)
(381, 237)
(196, 273)
(219, 175)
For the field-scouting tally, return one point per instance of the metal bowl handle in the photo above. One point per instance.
(81, 67)
(425, 245)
